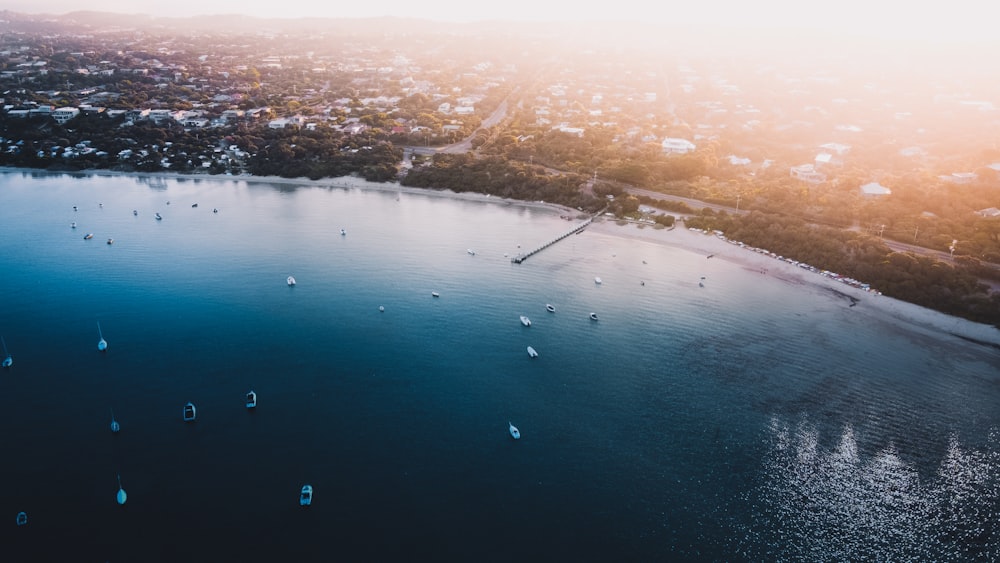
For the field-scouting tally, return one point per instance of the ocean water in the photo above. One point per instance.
(746, 420)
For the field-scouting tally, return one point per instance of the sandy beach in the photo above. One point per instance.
(867, 303)
(912, 316)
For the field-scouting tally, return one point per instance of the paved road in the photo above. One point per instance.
(465, 145)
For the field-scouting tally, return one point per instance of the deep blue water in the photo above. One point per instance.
(749, 419)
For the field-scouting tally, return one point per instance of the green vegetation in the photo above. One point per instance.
(496, 176)
(955, 290)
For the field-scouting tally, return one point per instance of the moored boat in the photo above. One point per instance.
(525, 321)
(22, 518)
(306, 495)
(88, 236)
(435, 294)
(251, 399)
(7, 360)
(598, 281)
(593, 316)
(158, 217)
(550, 308)
(102, 344)
(290, 280)
(121, 497)
(111, 241)
(532, 352)
(514, 432)
(189, 412)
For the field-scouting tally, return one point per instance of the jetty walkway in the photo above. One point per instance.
(576, 229)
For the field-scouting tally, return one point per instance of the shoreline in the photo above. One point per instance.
(889, 309)
(341, 182)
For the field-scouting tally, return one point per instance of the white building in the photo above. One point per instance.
(874, 189)
(673, 145)
(807, 173)
(62, 115)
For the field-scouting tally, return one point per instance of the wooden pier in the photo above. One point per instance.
(525, 255)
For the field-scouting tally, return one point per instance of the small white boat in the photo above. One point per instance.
(525, 321)
(343, 232)
(102, 344)
(115, 427)
(251, 399)
(111, 241)
(435, 294)
(550, 308)
(122, 496)
(532, 352)
(597, 280)
(514, 432)
(22, 518)
(72, 225)
(381, 309)
(88, 236)
(306, 495)
(194, 205)
(135, 212)
(593, 316)
(215, 210)
(290, 280)
(7, 360)
(189, 412)
(471, 252)
(158, 217)
(74, 208)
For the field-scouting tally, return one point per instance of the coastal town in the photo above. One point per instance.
(639, 125)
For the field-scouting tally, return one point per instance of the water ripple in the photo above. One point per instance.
(838, 504)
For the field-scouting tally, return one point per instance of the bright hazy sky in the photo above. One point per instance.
(947, 20)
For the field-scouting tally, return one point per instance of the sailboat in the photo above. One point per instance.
(122, 496)
(102, 344)
(7, 360)
(115, 427)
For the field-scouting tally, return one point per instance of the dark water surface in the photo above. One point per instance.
(747, 420)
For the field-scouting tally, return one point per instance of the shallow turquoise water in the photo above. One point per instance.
(748, 419)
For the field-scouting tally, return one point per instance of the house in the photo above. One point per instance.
(577, 131)
(874, 189)
(195, 122)
(958, 177)
(673, 145)
(837, 148)
(282, 122)
(807, 173)
(62, 115)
